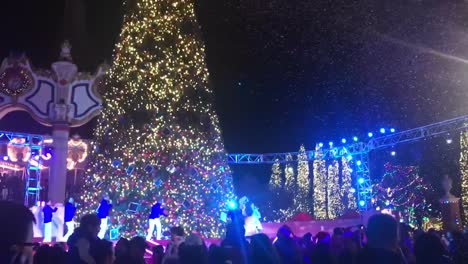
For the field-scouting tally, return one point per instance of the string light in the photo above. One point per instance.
(335, 206)
(275, 179)
(302, 200)
(290, 177)
(320, 187)
(157, 111)
(464, 171)
(346, 188)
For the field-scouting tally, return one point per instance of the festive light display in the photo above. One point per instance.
(464, 172)
(77, 152)
(273, 212)
(347, 190)
(158, 137)
(335, 205)
(320, 185)
(290, 184)
(17, 151)
(302, 200)
(404, 193)
(275, 180)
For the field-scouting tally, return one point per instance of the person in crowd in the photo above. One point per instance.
(16, 229)
(428, 249)
(458, 247)
(322, 251)
(84, 239)
(406, 242)
(4, 187)
(156, 212)
(158, 254)
(382, 241)
(172, 249)
(122, 250)
(48, 211)
(70, 209)
(50, 255)
(137, 251)
(103, 213)
(287, 248)
(103, 252)
(234, 244)
(262, 250)
(193, 250)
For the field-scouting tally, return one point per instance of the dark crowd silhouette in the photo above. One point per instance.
(382, 240)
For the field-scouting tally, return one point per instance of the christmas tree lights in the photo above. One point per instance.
(320, 185)
(347, 193)
(302, 200)
(158, 136)
(290, 184)
(275, 180)
(335, 206)
(464, 172)
(403, 192)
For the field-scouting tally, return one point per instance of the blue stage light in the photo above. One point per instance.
(392, 130)
(343, 140)
(358, 163)
(449, 141)
(355, 139)
(232, 205)
(320, 144)
(330, 143)
(361, 180)
(370, 134)
(5, 158)
(382, 130)
(393, 153)
(362, 203)
(349, 157)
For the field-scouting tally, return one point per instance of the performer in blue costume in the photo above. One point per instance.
(70, 209)
(103, 213)
(156, 212)
(48, 211)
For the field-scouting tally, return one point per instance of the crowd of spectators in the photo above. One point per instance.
(383, 240)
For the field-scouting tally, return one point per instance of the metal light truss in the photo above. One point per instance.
(33, 166)
(270, 158)
(432, 130)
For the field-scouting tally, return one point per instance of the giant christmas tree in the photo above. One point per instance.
(158, 137)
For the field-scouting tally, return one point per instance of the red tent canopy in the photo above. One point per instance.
(302, 217)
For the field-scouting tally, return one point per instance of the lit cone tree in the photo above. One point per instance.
(290, 177)
(347, 195)
(289, 190)
(276, 182)
(320, 185)
(335, 206)
(302, 200)
(157, 136)
(273, 212)
(464, 171)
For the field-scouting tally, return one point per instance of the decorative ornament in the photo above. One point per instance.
(171, 169)
(17, 151)
(77, 152)
(15, 81)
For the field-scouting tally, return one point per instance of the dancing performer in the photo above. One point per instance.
(243, 204)
(103, 213)
(48, 211)
(156, 212)
(252, 223)
(70, 209)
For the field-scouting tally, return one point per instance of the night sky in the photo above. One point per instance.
(284, 72)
